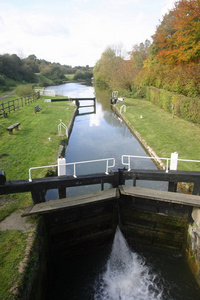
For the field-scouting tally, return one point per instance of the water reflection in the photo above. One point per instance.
(73, 90)
(101, 135)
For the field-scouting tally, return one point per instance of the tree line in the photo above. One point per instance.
(14, 69)
(171, 61)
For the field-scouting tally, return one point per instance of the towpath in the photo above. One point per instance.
(7, 95)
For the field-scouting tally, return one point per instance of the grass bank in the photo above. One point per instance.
(35, 144)
(164, 133)
(12, 248)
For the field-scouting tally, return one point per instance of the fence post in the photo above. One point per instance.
(62, 192)
(172, 187)
(196, 189)
(38, 195)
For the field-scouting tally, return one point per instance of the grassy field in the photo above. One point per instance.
(37, 140)
(35, 144)
(69, 76)
(164, 133)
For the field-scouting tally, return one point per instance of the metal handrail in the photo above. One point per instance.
(123, 107)
(150, 157)
(64, 126)
(77, 163)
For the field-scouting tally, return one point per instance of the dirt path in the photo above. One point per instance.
(7, 95)
(16, 222)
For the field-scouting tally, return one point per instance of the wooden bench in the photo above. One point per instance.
(11, 127)
(37, 108)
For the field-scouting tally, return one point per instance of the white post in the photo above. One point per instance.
(62, 167)
(174, 161)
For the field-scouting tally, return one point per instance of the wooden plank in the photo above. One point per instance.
(60, 204)
(178, 198)
(27, 210)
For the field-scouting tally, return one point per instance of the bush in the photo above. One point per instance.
(141, 93)
(24, 90)
(183, 79)
(184, 107)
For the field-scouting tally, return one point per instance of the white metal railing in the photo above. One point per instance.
(128, 160)
(60, 128)
(78, 163)
(123, 107)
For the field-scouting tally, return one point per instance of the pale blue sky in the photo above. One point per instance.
(76, 32)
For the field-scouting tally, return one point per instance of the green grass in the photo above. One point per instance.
(28, 147)
(69, 76)
(164, 133)
(12, 249)
(44, 79)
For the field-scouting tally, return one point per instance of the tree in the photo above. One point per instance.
(83, 75)
(177, 38)
(140, 53)
(103, 69)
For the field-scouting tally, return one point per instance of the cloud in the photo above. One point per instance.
(76, 32)
(169, 4)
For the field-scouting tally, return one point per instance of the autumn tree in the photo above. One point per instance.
(177, 38)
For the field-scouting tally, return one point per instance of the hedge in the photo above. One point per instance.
(184, 107)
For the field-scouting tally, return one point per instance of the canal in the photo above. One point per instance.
(100, 135)
(116, 270)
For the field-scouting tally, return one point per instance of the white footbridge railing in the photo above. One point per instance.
(126, 160)
(110, 163)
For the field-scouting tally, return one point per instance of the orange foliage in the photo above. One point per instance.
(177, 38)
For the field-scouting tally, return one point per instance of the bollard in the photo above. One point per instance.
(62, 166)
(174, 161)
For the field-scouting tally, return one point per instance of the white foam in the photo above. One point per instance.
(126, 276)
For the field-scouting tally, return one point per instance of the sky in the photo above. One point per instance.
(77, 32)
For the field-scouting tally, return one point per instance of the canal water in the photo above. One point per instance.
(100, 135)
(113, 271)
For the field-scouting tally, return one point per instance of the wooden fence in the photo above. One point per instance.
(11, 105)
